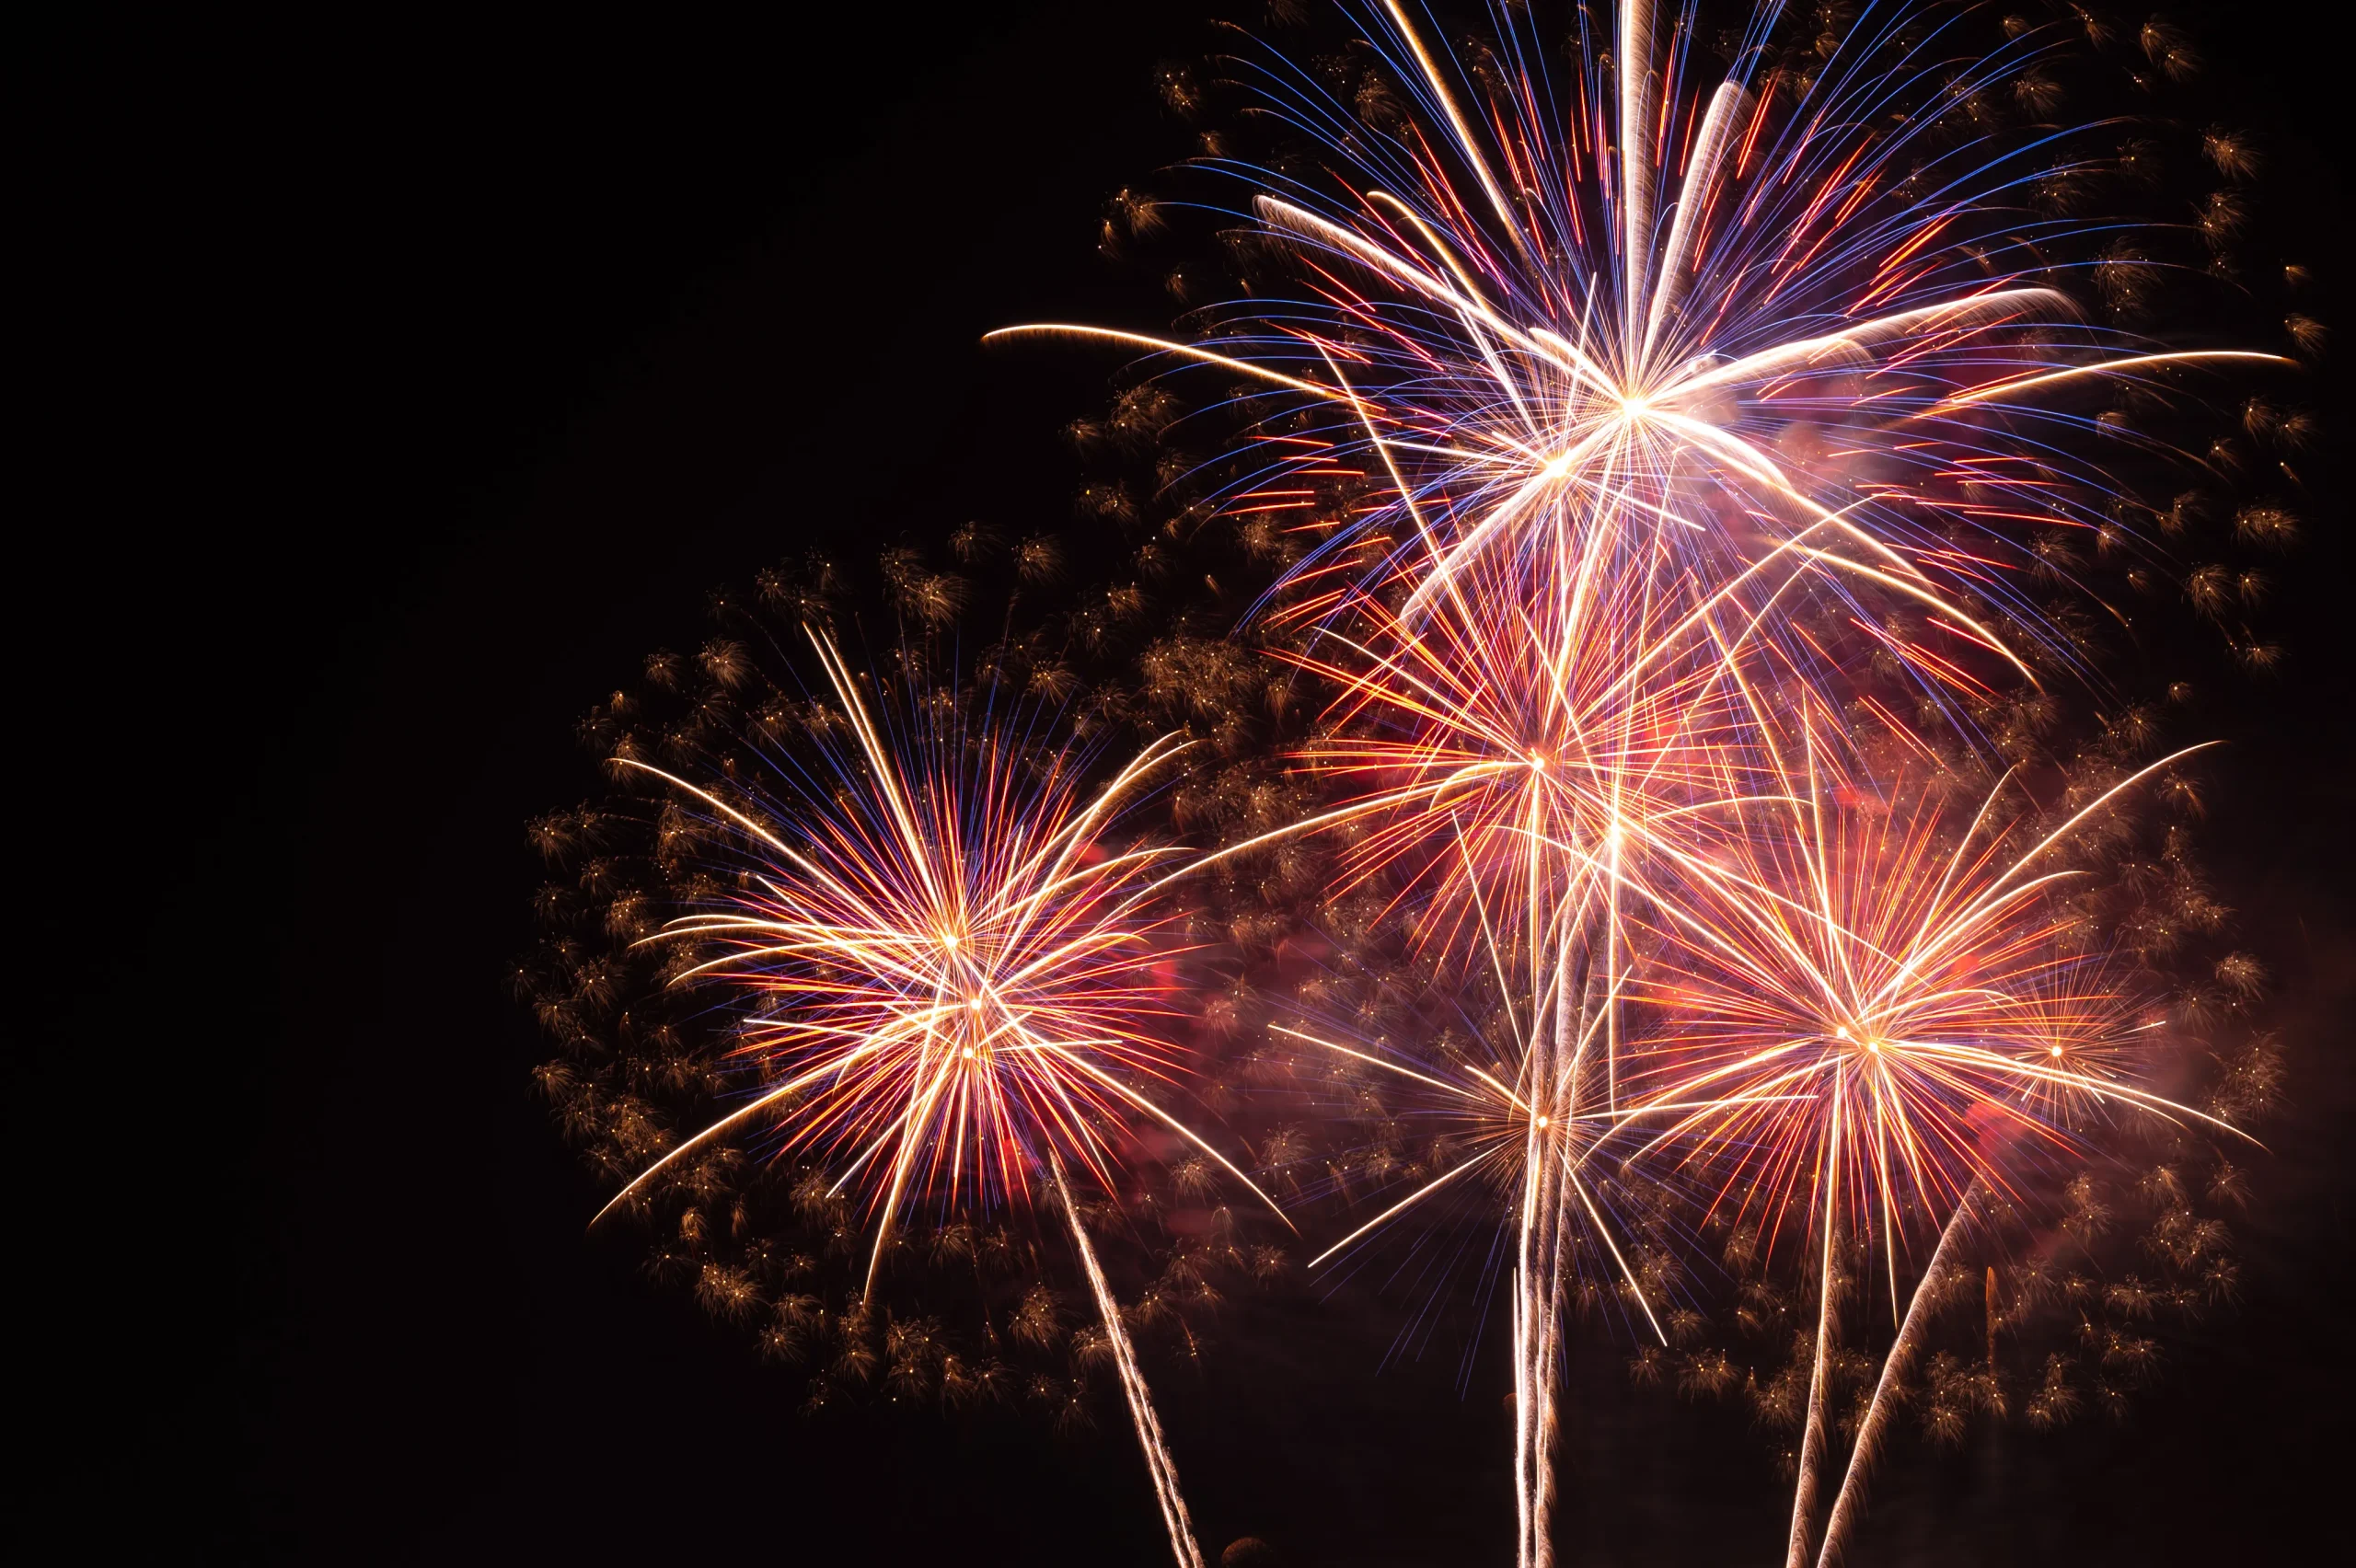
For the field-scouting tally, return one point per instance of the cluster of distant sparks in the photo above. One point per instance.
(1656, 379)
(1649, 373)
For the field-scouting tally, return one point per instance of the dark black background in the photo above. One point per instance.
(396, 382)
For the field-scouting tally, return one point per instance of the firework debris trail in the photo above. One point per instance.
(1894, 1367)
(1133, 1388)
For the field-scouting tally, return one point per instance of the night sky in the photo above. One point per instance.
(400, 382)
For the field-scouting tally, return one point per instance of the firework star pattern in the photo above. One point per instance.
(1663, 468)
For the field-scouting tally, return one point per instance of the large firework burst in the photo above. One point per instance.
(1688, 415)
(1678, 480)
(951, 972)
(955, 979)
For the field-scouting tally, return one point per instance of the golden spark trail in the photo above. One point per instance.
(1894, 1367)
(1812, 1433)
(1157, 1462)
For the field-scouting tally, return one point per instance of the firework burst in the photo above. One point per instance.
(1763, 322)
(1675, 392)
(1671, 470)
(955, 985)
(1862, 1024)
